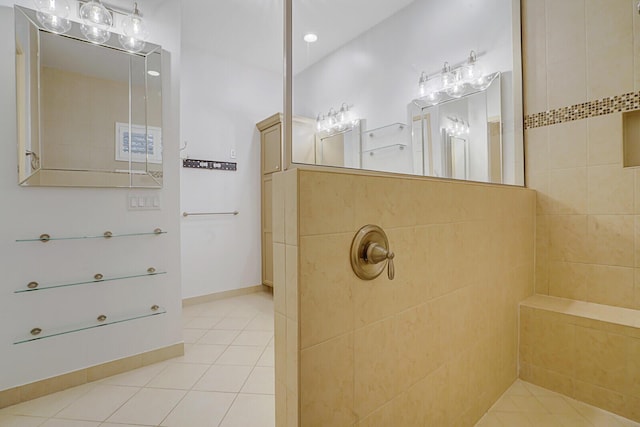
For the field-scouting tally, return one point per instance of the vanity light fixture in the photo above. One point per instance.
(336, 121)
(53, 15)
(96, 22)
(453, 83)
(134, 31)
(457, 127)
(311, 38)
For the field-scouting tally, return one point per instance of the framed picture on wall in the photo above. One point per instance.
(146, 143)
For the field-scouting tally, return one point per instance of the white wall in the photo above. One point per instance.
(28, 212)
(221, 100)
(378, 71)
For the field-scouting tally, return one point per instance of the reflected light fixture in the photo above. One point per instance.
(454, 83)
(457, 127)
(153, 73)
(53, 15)
(310, 38)
(336, 121)
(96, 21)
(134, 31)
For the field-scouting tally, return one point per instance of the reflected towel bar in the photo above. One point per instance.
(186, 214)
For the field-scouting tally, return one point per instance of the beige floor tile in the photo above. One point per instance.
(260, 381)
(490, 420)
(262, 322)
(191, 336)
(99, 403)
(223, 379)
(138, 377)
(528, 404)
(518, 389)
(240, 355)
(118, 425)
(180, 376)
(149, 406)
(50, 405)
(557, 405)
(505, 404)
(267, 358)
(201, 353)
(251, 410)
(539, 419)
(235, 323)
(202, 322)
(200, 409)
(254, 338)
(53, 422)
(8, 420)
(220, 337)
(514, 419)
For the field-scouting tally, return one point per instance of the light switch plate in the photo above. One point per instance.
(143, 202)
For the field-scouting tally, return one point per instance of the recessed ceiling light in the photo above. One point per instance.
(153, 73)
(310, 38)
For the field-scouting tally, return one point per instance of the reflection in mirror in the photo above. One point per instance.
(88, 115)
(451, 61)
(475, 119)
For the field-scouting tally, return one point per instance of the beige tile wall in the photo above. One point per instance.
(592, 360)
(435, 346)
(588, 204)
(285, 296)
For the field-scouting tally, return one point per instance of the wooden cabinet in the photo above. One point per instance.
(271, 161)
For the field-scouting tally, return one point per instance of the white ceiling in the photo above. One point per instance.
(250, 31)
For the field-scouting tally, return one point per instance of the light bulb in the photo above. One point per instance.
(134, 31)
(471, 69)
(422, 83)
(446, 76)
(94, 34)
(97, 22)
(53, 14)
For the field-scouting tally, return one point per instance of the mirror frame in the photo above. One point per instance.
(76, 177)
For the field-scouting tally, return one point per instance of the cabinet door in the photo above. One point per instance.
(271, 149)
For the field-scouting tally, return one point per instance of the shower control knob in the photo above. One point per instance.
(370, 253)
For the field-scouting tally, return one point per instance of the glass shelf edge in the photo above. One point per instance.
(93, 326)
(92, 237)
(88, 282)
(385, 147)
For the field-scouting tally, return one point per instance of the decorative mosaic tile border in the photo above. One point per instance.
(600, 107)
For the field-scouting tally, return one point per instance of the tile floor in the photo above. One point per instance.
(527, 405)
(226, 379)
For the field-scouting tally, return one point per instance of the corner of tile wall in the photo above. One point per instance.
(285, 290)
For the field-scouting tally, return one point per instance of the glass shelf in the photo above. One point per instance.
(106, 235)
(385, 147)
(385, 131)
(39, 334)
(98, 278)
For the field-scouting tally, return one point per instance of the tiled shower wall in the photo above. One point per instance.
(578, 53)
(435, 346)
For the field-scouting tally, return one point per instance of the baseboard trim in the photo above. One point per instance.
(51, 385)
(225, 294)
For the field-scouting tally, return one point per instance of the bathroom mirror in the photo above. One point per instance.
(369, 59)
(88, 115)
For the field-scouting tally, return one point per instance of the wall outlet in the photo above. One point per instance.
(233, 153)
